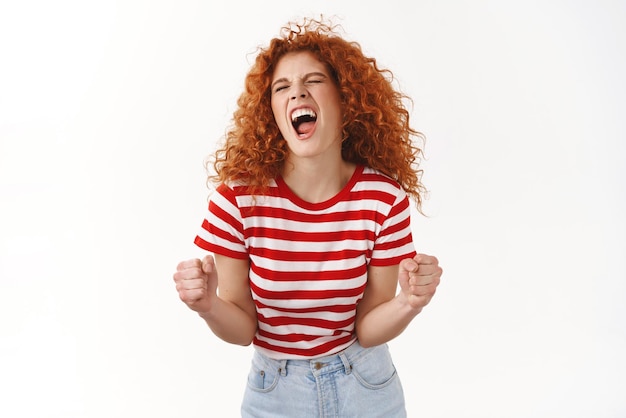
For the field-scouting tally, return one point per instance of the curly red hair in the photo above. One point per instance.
(376, 130)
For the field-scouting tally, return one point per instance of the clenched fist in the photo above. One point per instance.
(418, 278)
(196, 283)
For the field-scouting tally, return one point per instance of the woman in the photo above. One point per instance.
(309, 228)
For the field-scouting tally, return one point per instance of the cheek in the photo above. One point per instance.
(275, 111)
(279, 116)
(277, 102)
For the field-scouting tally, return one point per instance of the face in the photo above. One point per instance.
(306, 106)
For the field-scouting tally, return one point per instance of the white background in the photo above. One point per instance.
(107, 110)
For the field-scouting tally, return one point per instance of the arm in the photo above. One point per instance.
(231, 313)
(381, 314)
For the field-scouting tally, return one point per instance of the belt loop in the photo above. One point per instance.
(346, 363)
(283, 368)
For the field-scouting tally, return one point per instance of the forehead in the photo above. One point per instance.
(294, 64)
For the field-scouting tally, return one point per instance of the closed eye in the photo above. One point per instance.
(315, 80)
(279, 88)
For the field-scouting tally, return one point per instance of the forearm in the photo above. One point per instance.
(230, 323)
(385, 322)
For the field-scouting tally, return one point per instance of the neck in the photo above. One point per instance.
(317, 183)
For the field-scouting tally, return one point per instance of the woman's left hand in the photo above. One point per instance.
(418, 278)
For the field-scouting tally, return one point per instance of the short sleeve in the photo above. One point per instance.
(395, 240)
(222, 228)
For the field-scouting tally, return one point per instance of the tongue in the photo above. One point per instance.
(305, 127)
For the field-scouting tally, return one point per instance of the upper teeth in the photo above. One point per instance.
(302, 112)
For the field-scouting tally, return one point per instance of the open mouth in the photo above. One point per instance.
(303, 120)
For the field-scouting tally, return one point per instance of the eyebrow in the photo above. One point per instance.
(308, 75)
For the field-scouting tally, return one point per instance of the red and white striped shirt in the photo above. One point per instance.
(308, 261)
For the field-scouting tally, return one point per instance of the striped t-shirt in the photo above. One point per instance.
(308, 261)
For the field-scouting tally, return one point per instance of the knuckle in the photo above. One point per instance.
(183, 265)
(186, 297)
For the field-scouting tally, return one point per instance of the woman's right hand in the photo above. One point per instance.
(196, 283)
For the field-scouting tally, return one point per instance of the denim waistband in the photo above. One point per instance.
(320, 365)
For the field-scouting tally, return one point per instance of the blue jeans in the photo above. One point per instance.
(357, 382)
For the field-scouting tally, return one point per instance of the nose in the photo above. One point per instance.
(300, 95)
(298, 92)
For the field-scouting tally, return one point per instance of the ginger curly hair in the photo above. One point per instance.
(376, 131)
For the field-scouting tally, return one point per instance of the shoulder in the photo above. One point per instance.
(241, 188)
(379, 185)
(373, 176)
(241, 196)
